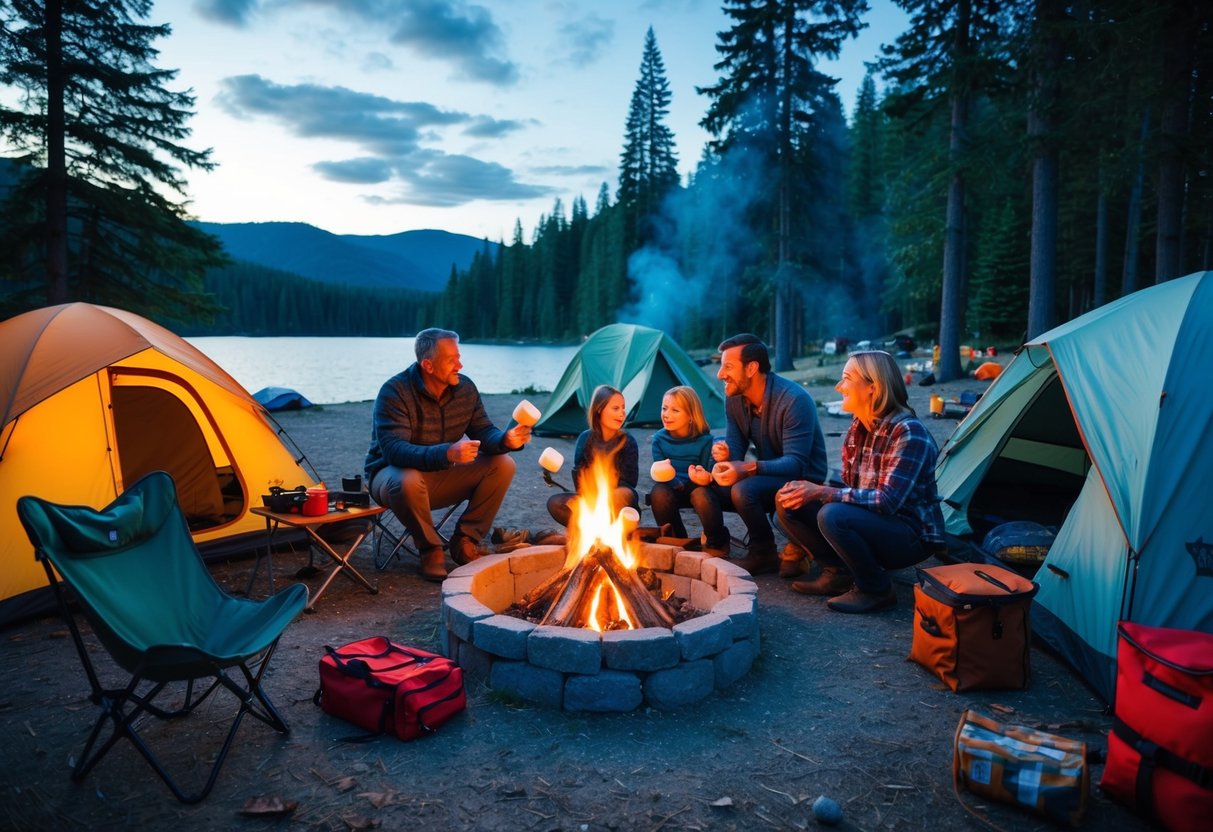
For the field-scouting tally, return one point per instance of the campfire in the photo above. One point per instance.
(600, 587)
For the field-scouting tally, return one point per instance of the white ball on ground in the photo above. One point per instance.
(827, 811)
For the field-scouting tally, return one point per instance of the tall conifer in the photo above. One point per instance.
(648, 165)
(102, 131)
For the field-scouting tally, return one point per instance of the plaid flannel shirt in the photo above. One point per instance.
(891, 470)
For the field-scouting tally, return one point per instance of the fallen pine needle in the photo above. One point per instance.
(777, 791)
(666, 819)
(804, 757)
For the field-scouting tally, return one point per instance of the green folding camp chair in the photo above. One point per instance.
(138, 580)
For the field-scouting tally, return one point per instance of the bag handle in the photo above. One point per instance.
(425, 708)
(986, 576)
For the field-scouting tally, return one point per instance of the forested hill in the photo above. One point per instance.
(419, 260)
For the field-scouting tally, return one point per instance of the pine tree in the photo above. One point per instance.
(952, 50)
(998, 301)
(98, 121)
(865, 188)
(648, 165)
(764, 105)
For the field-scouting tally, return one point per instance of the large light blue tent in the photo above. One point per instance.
(1103, 425)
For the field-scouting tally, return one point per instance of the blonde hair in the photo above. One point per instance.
(602, 394)
(688, 400)
(880, 369)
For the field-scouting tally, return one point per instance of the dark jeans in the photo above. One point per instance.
(862, 541)
(669, 498)
(412, 496)
(753, 499)
(562, 512)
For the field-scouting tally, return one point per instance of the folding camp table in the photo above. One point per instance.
(312, 525)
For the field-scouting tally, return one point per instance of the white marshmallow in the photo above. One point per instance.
(526, 413)
(551, 460)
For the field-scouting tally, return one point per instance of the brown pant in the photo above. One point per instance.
(412, 496)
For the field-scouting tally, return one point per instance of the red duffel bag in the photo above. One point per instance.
(386, 688)
(1160, 751)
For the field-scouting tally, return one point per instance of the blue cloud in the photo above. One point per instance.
(377, 62)
(586, 38)
(365, 171)
(452, 31)
(486, 127)
(230, 12)
(309, 110)
(466, 36)
(389, 133)
(444, 180)
(574, 170)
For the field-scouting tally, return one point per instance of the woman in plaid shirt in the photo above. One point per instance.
(887, 516)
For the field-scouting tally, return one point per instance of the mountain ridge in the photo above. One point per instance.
(419, 259)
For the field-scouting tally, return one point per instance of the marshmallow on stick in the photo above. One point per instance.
(526, 414)
(551, 460)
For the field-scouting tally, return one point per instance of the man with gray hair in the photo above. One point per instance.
(433, 445)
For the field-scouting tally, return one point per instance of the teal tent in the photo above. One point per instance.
(1102, 427)
(640, 361)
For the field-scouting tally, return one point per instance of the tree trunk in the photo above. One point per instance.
(1043, 255)
(1177, 58)
(1099, 287)
(783, 312)
(56, 159)
(1128, 280)
(951, 307)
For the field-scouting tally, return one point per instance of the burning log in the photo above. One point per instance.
(578, 581)
(538, 600)
(649, 612)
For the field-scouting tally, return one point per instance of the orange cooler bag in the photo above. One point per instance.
(1160, 751)
(971, 625)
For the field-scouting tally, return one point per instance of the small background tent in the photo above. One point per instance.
(281, 398)
(640, 361)
(92, 398)
(1102, 427)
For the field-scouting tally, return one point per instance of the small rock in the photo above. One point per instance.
(827, 811)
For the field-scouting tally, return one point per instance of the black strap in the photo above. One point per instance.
(421, 712)
(1173, 693)
(1153, 754)
(986, 576)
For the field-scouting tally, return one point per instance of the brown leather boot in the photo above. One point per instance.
(792, 561)
(760, 560)
(464, 549)
(433, 564)
(833, 580)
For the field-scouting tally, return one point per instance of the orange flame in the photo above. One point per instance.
(595, 522)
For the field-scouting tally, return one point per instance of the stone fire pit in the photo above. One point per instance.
(583, 670)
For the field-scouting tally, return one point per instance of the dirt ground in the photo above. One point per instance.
(832, 707)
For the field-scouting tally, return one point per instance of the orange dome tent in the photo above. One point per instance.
(92, 398)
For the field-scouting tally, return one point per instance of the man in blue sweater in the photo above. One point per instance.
(433, 445)
(775, 417)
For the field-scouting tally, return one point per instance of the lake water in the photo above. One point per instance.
(330, 370)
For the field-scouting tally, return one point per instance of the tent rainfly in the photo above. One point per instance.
(91, 399)
(640, 361)
(1101, 427)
